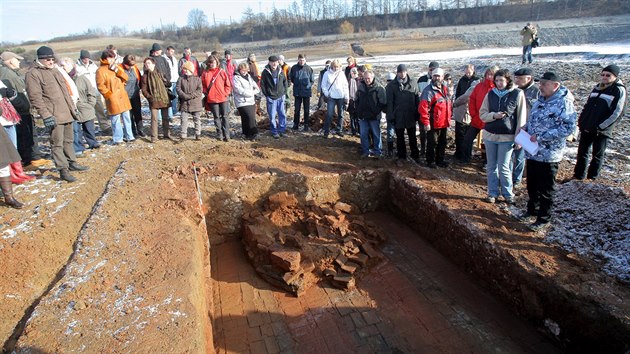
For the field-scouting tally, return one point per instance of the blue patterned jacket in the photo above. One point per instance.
(552, 120)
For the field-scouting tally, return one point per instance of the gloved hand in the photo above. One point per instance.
(10, 94)
(50, 122)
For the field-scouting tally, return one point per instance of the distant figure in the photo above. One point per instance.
(529, 34)
(603, 109)
(550, 121)
(301, 76)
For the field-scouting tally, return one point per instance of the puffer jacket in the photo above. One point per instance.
(403, 99)
(49, 94)
(604, 108)
(335, 85)
(111, 85)
(460, 106)
(245, 90)
(475, 101)
(435, 107)
(87, 98)
(301, 77)
(190, 93)
(552, 120)
(216, 86)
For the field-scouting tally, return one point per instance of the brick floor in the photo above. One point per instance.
(413, 302)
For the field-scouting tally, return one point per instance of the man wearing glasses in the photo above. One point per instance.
(603, 109)
(50, 96)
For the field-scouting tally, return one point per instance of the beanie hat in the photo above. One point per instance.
(189, 66)
(84, 54)
(273, 58)
(227, 51)
(434, 65)
(613, 69)
(401, 68)
(44, 52)
(156, 47)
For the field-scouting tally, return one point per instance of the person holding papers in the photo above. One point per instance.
(504, 113)
(551, 121)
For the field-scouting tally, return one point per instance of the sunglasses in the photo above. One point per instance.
(606, 75)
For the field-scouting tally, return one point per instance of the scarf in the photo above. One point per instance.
(156, 87)
(500, 93)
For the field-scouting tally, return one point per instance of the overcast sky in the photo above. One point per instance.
(22, 20)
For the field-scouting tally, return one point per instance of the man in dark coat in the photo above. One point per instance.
(49, 95)
(16, 93)
(301, 76)
(371, 101)
(402, 110)
(603, 109)
(273, 85)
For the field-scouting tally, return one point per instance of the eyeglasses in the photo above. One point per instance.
(606, 75)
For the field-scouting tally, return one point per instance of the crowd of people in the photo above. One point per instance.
(70, 96)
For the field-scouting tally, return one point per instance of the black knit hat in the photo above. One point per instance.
(401, 68)
(156, 47)
(45, 53)
(434, 65)
(613, 69)
(84, 54)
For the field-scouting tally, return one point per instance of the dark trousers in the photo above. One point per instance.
(26, 145)
(469, 138)
(460, 132)
(413, 143)
(423, 140)
(436, 145)
(299, 103)
(248, 121)
(220, 111)
(599, 143)
(136, 115)
(541, 182)
(62, 145)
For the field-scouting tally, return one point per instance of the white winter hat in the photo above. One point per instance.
(438, 71)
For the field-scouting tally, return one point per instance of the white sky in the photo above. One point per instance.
(22, 20)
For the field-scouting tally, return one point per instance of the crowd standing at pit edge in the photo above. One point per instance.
(80, 99)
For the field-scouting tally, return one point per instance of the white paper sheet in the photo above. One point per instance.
(522, 139)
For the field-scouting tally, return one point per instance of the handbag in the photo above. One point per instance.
(535, 43)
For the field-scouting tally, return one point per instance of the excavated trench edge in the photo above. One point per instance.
(585, 324)
(10, 343)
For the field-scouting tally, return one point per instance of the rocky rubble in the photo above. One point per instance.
(294, 245)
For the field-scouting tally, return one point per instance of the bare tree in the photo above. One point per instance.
(197, 20)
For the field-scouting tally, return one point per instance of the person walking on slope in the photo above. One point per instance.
(529, 33)
(603, 109)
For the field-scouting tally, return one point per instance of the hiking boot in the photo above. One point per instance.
(65, 175)
(491, 200)
(538, 226)
(76, 167)
(7, 191)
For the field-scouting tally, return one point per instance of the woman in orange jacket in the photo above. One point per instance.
(217, 88)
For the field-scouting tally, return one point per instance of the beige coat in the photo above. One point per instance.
(528, 33)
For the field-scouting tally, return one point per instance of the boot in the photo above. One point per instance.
(19, 172)
(165, 128)
(13, 177)
(390, 149)
(65, 175)
(7, 191)
(76, 167)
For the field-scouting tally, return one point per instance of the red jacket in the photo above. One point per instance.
(435, 107)
(216, 85)
(476, 99)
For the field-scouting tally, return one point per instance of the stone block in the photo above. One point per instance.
(286, 260)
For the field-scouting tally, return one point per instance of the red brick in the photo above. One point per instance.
(271, 345)
(257, 347)
(289, 261)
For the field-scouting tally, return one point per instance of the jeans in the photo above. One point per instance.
(220, 112)
(332, 104)
(173, 108)
(299, 102)
(527, 54)
(276, 107)
(121, 127)
(499, 169)
(10, 129)
(78, 138)
(599, 143)
(518, 165)
(367, 127)
(541, 182)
